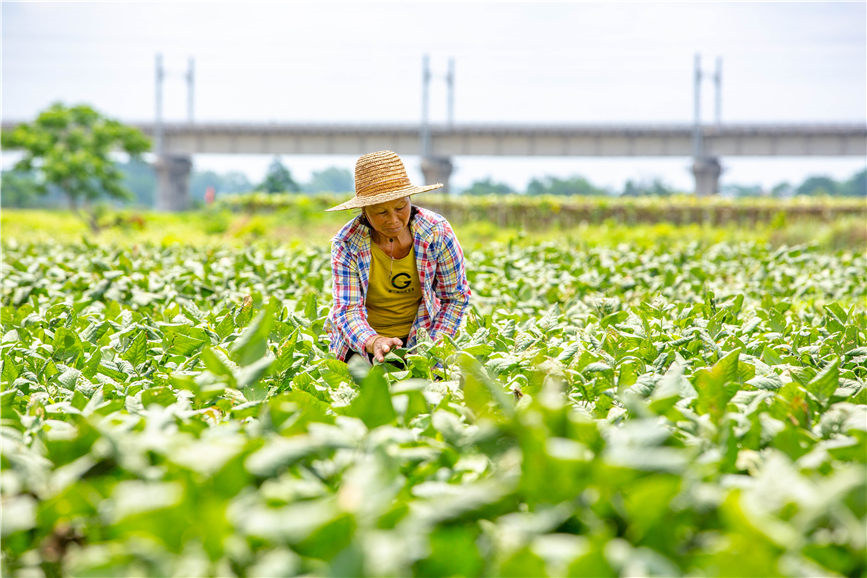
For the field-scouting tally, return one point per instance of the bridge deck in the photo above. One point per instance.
(606, 140)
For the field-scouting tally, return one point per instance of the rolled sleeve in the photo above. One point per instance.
(452, 288)
(348, 314)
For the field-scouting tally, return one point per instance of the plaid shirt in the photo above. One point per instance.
(440, 263)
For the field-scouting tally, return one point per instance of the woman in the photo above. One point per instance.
(397, 268)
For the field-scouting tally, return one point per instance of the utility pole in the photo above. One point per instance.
(172, 169)
(435, 169)
(425, 120)
(697, 144)
(706, 169)
(158, 121)
(717, 80)
(450, 82)
(190, 88)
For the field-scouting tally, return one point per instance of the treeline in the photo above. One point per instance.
(20, 188)
(815, 186)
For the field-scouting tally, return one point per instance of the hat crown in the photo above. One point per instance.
(378, 173)
(380, 177)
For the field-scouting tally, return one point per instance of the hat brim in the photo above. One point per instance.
(358, 202)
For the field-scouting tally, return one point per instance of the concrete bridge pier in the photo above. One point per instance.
(173, 182)
(437, 170)
(706, 171)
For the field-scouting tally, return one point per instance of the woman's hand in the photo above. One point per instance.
(379, 345)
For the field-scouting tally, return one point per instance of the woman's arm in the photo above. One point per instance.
(452, 288)
(348, 314)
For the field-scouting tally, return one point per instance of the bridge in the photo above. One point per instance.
(514, 140)
(182, 140)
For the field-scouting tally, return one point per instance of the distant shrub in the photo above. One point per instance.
(216, 222)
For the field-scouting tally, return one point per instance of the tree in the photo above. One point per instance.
(782, 190)
(237, 182)
(70, 148)
(331, 180)
(818, 186)
(19, 189)
(488, 187)
(556, 186)
(656, 187)
(140, 178)
(631, 189)
(227, 183)
(856, 186)
(278, 179)
(735, 190)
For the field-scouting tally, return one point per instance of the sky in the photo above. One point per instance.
(515, 62)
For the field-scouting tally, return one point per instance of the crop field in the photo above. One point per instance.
(170, 410)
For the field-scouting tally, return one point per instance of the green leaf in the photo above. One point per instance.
(485, 396)
(248, 378)
(137, 351)
(770, 356)
(219, 364)
(836, 317)
(717, 385)
(826, 381)
(10, 370)
(158, 395)
(647, 502)
(252, 344)
(69, 378)
(768, 382)
(279, 453)
(66, 344)
(453, 551)
(373, 402)
(226, 326)
(184, 339)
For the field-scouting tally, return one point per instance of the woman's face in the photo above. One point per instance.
(389, 218)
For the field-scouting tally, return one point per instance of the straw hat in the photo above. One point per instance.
(380, 177)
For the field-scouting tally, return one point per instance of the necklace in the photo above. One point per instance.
(391, 256)
(391, 251)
